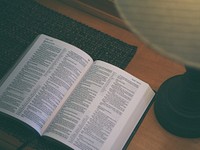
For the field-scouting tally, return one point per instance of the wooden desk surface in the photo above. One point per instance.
(146, 65)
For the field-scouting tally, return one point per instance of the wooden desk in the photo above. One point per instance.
(146, 65)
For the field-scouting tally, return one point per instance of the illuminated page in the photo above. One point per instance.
(42, 80)
(102, 111)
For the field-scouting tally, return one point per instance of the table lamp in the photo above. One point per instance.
(172, 27)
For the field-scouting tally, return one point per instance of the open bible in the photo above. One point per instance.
(59, 91)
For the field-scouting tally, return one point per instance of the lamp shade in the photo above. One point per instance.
(171, 27)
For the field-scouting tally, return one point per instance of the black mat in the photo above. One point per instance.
(22, 20)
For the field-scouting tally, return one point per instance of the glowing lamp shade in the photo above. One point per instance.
(172, 27)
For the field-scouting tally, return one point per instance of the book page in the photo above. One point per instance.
(39, 82)
(103, 109)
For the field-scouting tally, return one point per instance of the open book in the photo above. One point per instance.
(58, 90)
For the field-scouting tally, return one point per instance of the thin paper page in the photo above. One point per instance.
(97, 114)
(38, 84)
(170, 26)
